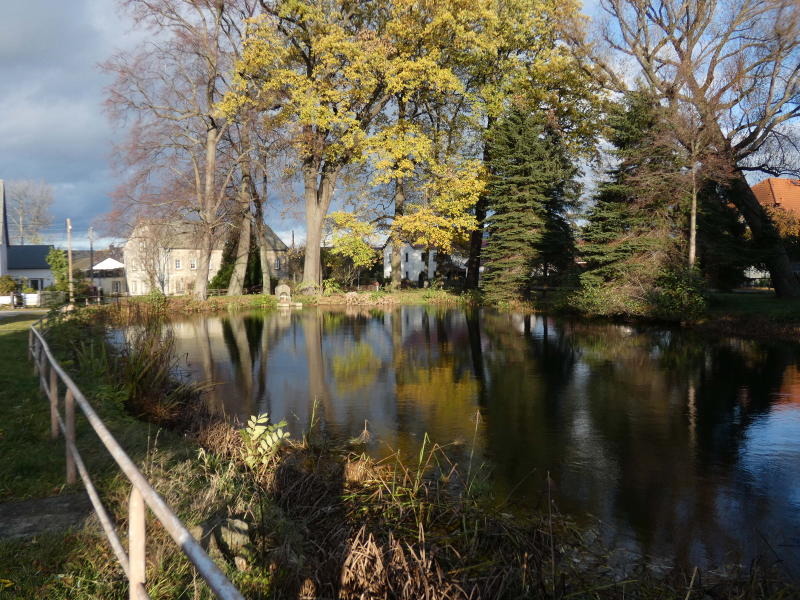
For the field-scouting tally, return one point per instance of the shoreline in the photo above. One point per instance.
(747, 315)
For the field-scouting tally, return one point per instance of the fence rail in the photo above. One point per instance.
(142, 495)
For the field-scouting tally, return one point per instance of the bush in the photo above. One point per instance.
(330, 287)
(678, 296)
(377, 295)
(7, 285)
(600, 298)
(264, 301)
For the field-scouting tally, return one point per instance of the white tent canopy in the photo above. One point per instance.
(108, 264)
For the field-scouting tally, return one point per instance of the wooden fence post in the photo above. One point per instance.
(53, 402)
(69, 435)
(136, 542)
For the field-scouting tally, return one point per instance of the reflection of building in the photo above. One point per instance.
(783, 195)
(26, 263)
(418, 263)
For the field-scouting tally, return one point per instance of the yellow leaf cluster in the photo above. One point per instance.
(445, 217)
(353, 238)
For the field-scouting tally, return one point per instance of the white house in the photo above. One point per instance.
(417, 263)
(25, 263)
(108, 271)
(167, 255)
(414, 261)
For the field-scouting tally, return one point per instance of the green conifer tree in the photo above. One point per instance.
(635, 237)
(532, 186)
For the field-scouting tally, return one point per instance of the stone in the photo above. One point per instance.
(204, 534)
(233, 535)
(284, 293)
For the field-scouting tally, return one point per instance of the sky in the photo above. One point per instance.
(52, 124)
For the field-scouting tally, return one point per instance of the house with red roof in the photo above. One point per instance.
(780, 193)
(783, 193)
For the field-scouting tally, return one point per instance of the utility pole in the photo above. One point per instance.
(69, 262)
(91, 255)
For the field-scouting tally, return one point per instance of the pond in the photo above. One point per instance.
(673, 444)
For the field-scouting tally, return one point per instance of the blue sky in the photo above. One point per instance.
(52, 124)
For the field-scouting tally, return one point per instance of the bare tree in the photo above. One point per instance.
(28, 208)
(735, 66)
(152, 243)
(179, 151)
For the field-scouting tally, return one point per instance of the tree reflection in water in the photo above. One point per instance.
(680, 445)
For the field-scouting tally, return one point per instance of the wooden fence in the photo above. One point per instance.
(54, 380)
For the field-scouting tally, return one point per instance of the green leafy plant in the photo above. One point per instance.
(7, 284)
(262, 439)
(378, 294)
(331, 286)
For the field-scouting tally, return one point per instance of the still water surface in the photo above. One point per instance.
(682, 446)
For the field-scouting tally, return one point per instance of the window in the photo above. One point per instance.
(133, 287)
(116, 287)
(193, 264)
(36, 284)
(406, 256)
(277, 263)
(425, 257)
(179, 286)
(177, 264)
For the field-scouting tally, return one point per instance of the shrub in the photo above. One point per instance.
(330, 287)
(678, 296)
(377, 295)
(7, 285)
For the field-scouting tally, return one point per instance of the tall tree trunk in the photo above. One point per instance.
(207, 215)
(236, 285)
(693, 220)
(397, 245)
(765, 236)
(261, 240)
(476, 237)
(206, 244)
(318, 191)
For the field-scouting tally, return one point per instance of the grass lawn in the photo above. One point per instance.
(33, 464)
(80, 564)
(755, 304)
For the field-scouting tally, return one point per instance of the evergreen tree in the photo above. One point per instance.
(532, 186)
(635, 238)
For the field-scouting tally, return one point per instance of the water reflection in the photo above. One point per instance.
(680, 445)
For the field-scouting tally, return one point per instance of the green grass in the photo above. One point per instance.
(80, 564)
(762, 305)
(33, 464)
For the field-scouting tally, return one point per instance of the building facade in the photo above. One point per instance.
(165, 257)
(783, 194)
(417, 263)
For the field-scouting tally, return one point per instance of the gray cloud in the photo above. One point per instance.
(52, 125)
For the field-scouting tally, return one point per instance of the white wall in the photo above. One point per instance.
(411, 263)
(176, 280)
(22, 274)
